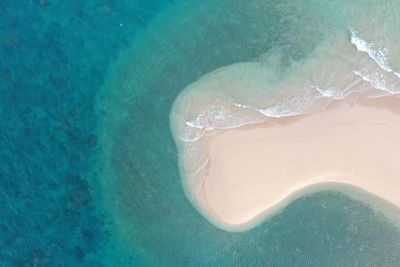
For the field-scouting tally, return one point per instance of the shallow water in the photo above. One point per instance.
(89, 172)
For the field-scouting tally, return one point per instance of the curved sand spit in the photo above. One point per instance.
(252, 169)
(244, 150)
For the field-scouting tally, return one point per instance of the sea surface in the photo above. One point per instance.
(88, 165)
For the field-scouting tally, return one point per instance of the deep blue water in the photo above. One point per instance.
(67, 68)
(54, 56)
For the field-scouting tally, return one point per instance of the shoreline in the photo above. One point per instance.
(235, 204)
(379, 205)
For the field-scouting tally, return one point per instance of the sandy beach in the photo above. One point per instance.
(254, 169)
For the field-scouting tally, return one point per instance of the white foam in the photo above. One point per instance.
(330, 92)
(278, 112)
(378, 54)
(376, 80)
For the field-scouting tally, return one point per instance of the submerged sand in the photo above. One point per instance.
(252, 169)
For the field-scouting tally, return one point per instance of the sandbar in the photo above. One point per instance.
(253, 169)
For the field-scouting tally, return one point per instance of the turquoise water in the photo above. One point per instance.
(54, 58)
(88, 170)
